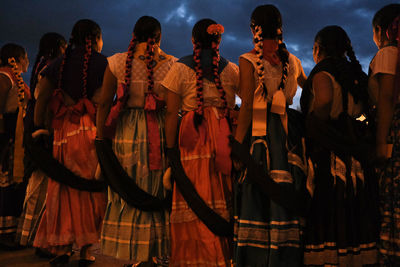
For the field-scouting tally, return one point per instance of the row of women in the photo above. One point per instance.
(271, 187)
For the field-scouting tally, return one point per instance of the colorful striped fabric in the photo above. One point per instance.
(34, 205)
(129, 233)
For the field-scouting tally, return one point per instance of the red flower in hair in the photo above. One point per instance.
(215, 29)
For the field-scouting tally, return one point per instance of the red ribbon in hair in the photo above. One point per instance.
(152, 104)
(270, 48)
(393, 33)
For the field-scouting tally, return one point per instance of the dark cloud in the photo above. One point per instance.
(25, 21)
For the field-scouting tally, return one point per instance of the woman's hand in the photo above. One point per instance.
(237, 164)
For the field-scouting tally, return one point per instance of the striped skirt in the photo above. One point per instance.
(129, 233)
(192, 243)
(265, 233)
(342, 221)
(34, 205)
(72, 216)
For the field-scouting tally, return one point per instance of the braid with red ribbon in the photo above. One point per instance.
(60, 73)
(149, 63)
(217, 78)
(128, 62)
(198, 117)
(86, 58)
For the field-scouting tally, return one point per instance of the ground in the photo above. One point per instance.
(25, 257)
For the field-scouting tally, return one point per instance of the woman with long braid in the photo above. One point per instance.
(69, 88)
(266, 234)
(51, 46)
(203, 86)
(128, 232)
(342, 223)
(384, 89)
(14, 94)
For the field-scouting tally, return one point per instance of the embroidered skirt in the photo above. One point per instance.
(389, 245)
(129, 233)
(72, 216)
(192, 243)
(265, 233)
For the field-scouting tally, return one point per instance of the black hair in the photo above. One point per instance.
(85, 29)
(49, 48)
(334, 42)
(200, 35)
(84, 34)
(11, 50)
(268, 20)
(385, 16)
(204, 40)
(147, 27)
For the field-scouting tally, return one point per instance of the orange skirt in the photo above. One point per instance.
(72, 216)
(192, 243)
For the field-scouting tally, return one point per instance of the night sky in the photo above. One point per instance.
(25, 21)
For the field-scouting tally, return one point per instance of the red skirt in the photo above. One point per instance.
(72, 216)
(192, 243)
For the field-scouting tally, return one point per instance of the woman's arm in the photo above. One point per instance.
(171, 118)
(5, 86)
(323, 95)
(45, 89)
(107, 93)
(302, 78)
(384, 112)
(247, 87)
